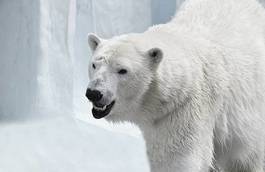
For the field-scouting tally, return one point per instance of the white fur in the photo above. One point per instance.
(204, 102)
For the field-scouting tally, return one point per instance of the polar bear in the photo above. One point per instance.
(195, 86)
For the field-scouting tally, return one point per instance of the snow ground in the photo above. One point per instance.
(64, 144)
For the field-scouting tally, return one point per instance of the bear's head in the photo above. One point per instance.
(120, 74)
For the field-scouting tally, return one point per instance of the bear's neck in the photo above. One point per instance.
(162, 98)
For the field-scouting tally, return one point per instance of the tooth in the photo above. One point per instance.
(96, 107)
(99, 108)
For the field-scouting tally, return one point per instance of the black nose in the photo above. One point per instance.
(93, 95)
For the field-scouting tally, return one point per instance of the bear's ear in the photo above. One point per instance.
(93, 41)
(155, 55)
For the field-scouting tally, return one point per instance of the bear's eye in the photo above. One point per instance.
(94, 66)
(122, 71)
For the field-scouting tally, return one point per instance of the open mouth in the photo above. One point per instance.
(101, 111)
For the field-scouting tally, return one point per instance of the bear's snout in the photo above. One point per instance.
(93, 95)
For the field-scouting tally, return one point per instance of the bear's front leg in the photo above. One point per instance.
(192, 153)
(198, 161)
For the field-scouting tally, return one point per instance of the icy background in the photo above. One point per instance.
(45, 121)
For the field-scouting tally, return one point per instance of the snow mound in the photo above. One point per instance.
(64, 144)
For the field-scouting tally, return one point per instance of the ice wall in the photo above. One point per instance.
(262, 2)
(36, 70)
(162, 11)
(19, 57)
(55, 68)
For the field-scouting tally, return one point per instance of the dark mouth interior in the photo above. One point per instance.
(100, 114)
(97, 104)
